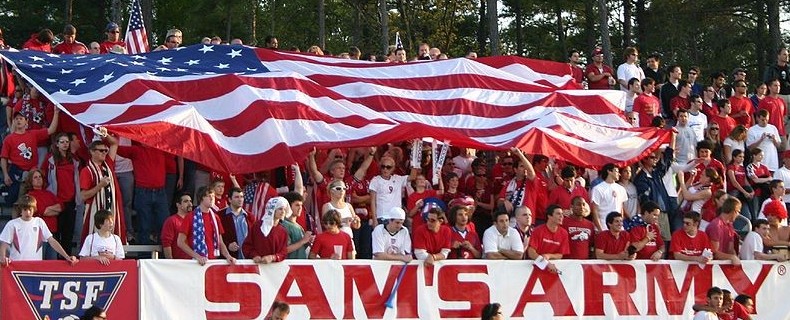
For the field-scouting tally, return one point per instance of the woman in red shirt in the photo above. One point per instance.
(62, 170)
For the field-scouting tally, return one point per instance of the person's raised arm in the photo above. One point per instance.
(363, 168)
(312, 168)
(53, 126)
(529, 171)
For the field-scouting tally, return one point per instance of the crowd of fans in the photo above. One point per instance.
(728, 161)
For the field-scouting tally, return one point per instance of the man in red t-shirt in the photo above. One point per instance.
(465, 242)
(113, 38)
(212, 235)
(581, 231)
(569, 189)
(723, 238)
(70, 45)
(776, 107)
(646, 237)
(19, 153)
(173, 225)
(646, 105)
(431, 242)
(149, 189)
(615, 243)
(741, 105)
(41, 41)
(599, 75)
(689, 243)
(550, 240)
(723, 119)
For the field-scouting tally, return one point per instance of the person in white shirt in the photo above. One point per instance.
(607, 196)
(765, 136)
(386, 189)
(629, 69)
(752, 247)
(23, 236)
(715, 297)
(783, 174)
(392, 241)
(103, 245)
(501, 242)
(698, 121)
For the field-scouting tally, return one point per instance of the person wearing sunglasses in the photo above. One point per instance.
(113, 33)
(99, 184)
(432, 240)
(337, 201)
(386, 190)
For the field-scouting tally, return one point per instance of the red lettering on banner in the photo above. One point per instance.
(554, 293)
(450, 289)
(219, 290)
(661, 275)
(594, 289)
(362, 278)
(313, 296)
(741, 283)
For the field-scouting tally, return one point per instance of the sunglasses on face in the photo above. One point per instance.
(388, 167)
(339, 188)
(102, 150)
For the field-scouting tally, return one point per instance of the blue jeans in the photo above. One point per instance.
(171, 179)
(151, 207)
(126, 184)
(49, 252)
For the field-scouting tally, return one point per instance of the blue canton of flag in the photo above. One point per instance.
(61, 76)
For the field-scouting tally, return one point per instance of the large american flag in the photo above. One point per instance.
(136, 37)
(241, 109)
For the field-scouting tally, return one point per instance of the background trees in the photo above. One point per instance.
(713, 34)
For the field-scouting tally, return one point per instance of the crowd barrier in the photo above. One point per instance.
(170, 289)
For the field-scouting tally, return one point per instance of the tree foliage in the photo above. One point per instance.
(713, 34)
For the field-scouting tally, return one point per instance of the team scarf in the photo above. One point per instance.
(108, 198)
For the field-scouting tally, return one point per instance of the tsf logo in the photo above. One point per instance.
(65, 295)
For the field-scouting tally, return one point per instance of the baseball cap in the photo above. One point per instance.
(776, 208)
(18, 113)
(430, 203)
(111, 26)
(396, 213)
(597, 51)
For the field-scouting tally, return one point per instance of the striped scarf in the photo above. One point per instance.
(108, 198)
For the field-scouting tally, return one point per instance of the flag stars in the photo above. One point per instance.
(107, 77)
(138, 57)
(61, 91)
(234, 53)
(192, 62)
(222, 66)
(50, 80)
(78, 82)
(65, 71)
(165, 60)
(137, 63)
(34, 66)
(35, 58)
(206, 49)
(163, 69)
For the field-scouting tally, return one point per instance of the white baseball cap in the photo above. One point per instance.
(396, 213)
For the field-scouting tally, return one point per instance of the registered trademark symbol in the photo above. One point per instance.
(781, 269)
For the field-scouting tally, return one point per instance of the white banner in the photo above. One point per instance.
(456, 289)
